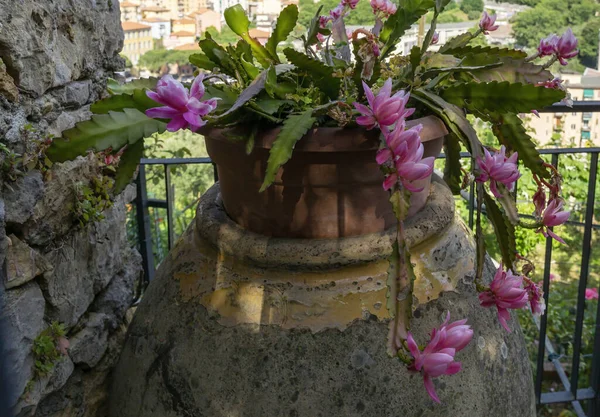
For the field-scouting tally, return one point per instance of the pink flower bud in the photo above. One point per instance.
(337, 12)
(350, 3)
(547, 46)
(539, 201)
(487, 23)
(566, 47)
(536, 297)
(323, 20)
(554, 216)
(436, 38)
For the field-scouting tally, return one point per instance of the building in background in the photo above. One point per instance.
(185, 24)
(219, 6)
(129, 11)
(260, 35)
(570, 128)
(149, 12)
(137, 40)
(161, 28)
(206, 18)
(179, 38)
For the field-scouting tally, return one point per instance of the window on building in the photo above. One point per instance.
(585, 135)
(573, 114)
(573, 127)
(588, 93)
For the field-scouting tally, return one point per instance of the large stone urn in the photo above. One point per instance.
(238, 324)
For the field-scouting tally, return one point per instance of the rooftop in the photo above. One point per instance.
(128, 26)
(155, 9)
(201, 10)
(184, 21)
(128, 4)
(187, 47)
(156, 20)
(182, 33)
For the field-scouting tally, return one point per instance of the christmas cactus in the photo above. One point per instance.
(357, 79)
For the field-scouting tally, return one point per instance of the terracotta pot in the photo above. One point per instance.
(332, 186)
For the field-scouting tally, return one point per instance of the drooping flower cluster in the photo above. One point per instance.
(342, 9)
(505, 292)
(498, 169)
(563, 47)
(384, 8)
(403, 153)
(183, 107)
(438, 356)
(487, 23)
(536, 296)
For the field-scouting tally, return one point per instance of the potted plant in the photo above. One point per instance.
(338, 138)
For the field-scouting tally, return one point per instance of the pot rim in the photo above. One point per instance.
(323, 139)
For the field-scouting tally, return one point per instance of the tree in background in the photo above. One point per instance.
(154, 60)
(588, 47)
(554, 16)
(471, 7)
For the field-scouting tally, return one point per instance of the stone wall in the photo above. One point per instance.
(55, 57)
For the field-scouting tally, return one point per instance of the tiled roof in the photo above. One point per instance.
(127, 26)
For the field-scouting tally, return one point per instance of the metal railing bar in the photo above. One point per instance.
(144, 234)
(580, 106)
(585, 264)
(594, 408)
(156, 203)
(567, 396)
(544, 317)
(562, 375)
(174, 161)
(169, 193)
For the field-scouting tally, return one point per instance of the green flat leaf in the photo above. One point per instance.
(415, 58)
(504, 230)
(500, 96)
(408, 13)
(513, 71)
(137, 100)
(293, 129)
(452, 172)
(217, 54)
(128, 165)
(271, 106)
(509, 130)
(255, 88)
(453, 117)
(321, 74)
(202, 61)
(456, 42)
(113, 130)
(225, 95)
(114, 87)
(492, 51)
(236, 19)
(285, 24)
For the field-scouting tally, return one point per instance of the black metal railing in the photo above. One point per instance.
(571, 392)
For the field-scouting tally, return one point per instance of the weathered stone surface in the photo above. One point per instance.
(85, 263)
(3, 237)
(89, 345)
(67, 120)
(23, 263)
(40, 388)
(75, 94)
(7, 85)
(217, 335)
(116, 299)
(21, 197)
(23, 317)
(86, 394)
(48, 44)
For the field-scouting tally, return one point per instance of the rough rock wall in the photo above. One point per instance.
(55, 56)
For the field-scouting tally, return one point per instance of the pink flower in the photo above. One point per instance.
(566, 47)
(384, 109)
(320, 38)
(384, 7)
(487, 23)
(555, 83)
(337, 12)
(350, 3)
(498, 168)
(436, 38)
(505, 292)
(591, 293)
(183, 108)
(438, 356)
(547, 46)
(553, 216)
(323, 20)
(536, 297)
